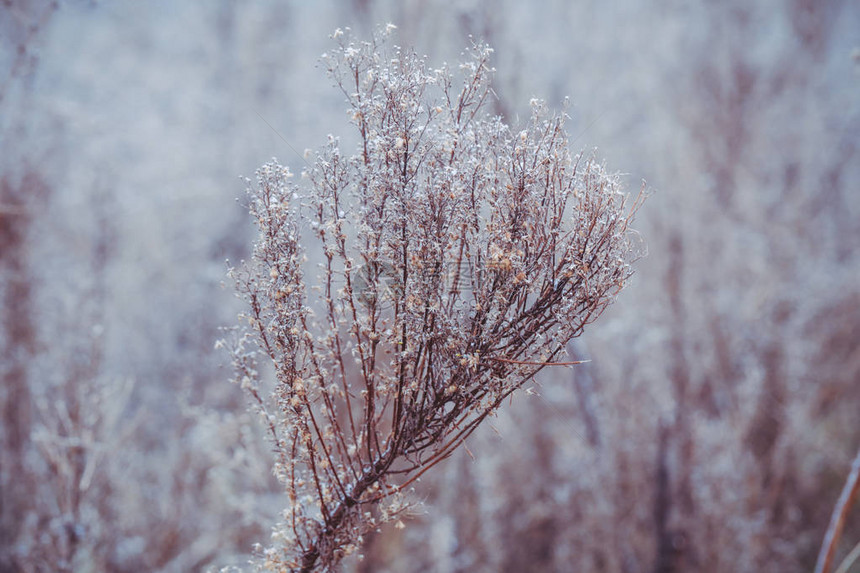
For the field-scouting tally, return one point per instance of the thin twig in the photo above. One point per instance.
(529, 363)
(837, 521)
(849, 560)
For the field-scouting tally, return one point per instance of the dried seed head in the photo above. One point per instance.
(458, 257)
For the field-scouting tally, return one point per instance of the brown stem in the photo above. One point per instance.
(837, 521)
(335, 520)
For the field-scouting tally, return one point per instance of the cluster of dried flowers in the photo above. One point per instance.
(458, 259)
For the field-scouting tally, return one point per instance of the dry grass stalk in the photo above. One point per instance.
(837, 521)
(459, 258)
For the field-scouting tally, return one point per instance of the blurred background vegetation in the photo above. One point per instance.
(711, 430)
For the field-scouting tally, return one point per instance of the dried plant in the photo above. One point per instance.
(458, 259)
(837, 521)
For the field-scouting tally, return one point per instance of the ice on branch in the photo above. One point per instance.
(458, 257)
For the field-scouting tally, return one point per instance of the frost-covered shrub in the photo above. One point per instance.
(459, 257)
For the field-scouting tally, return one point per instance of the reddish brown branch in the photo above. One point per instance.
(837, 520)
